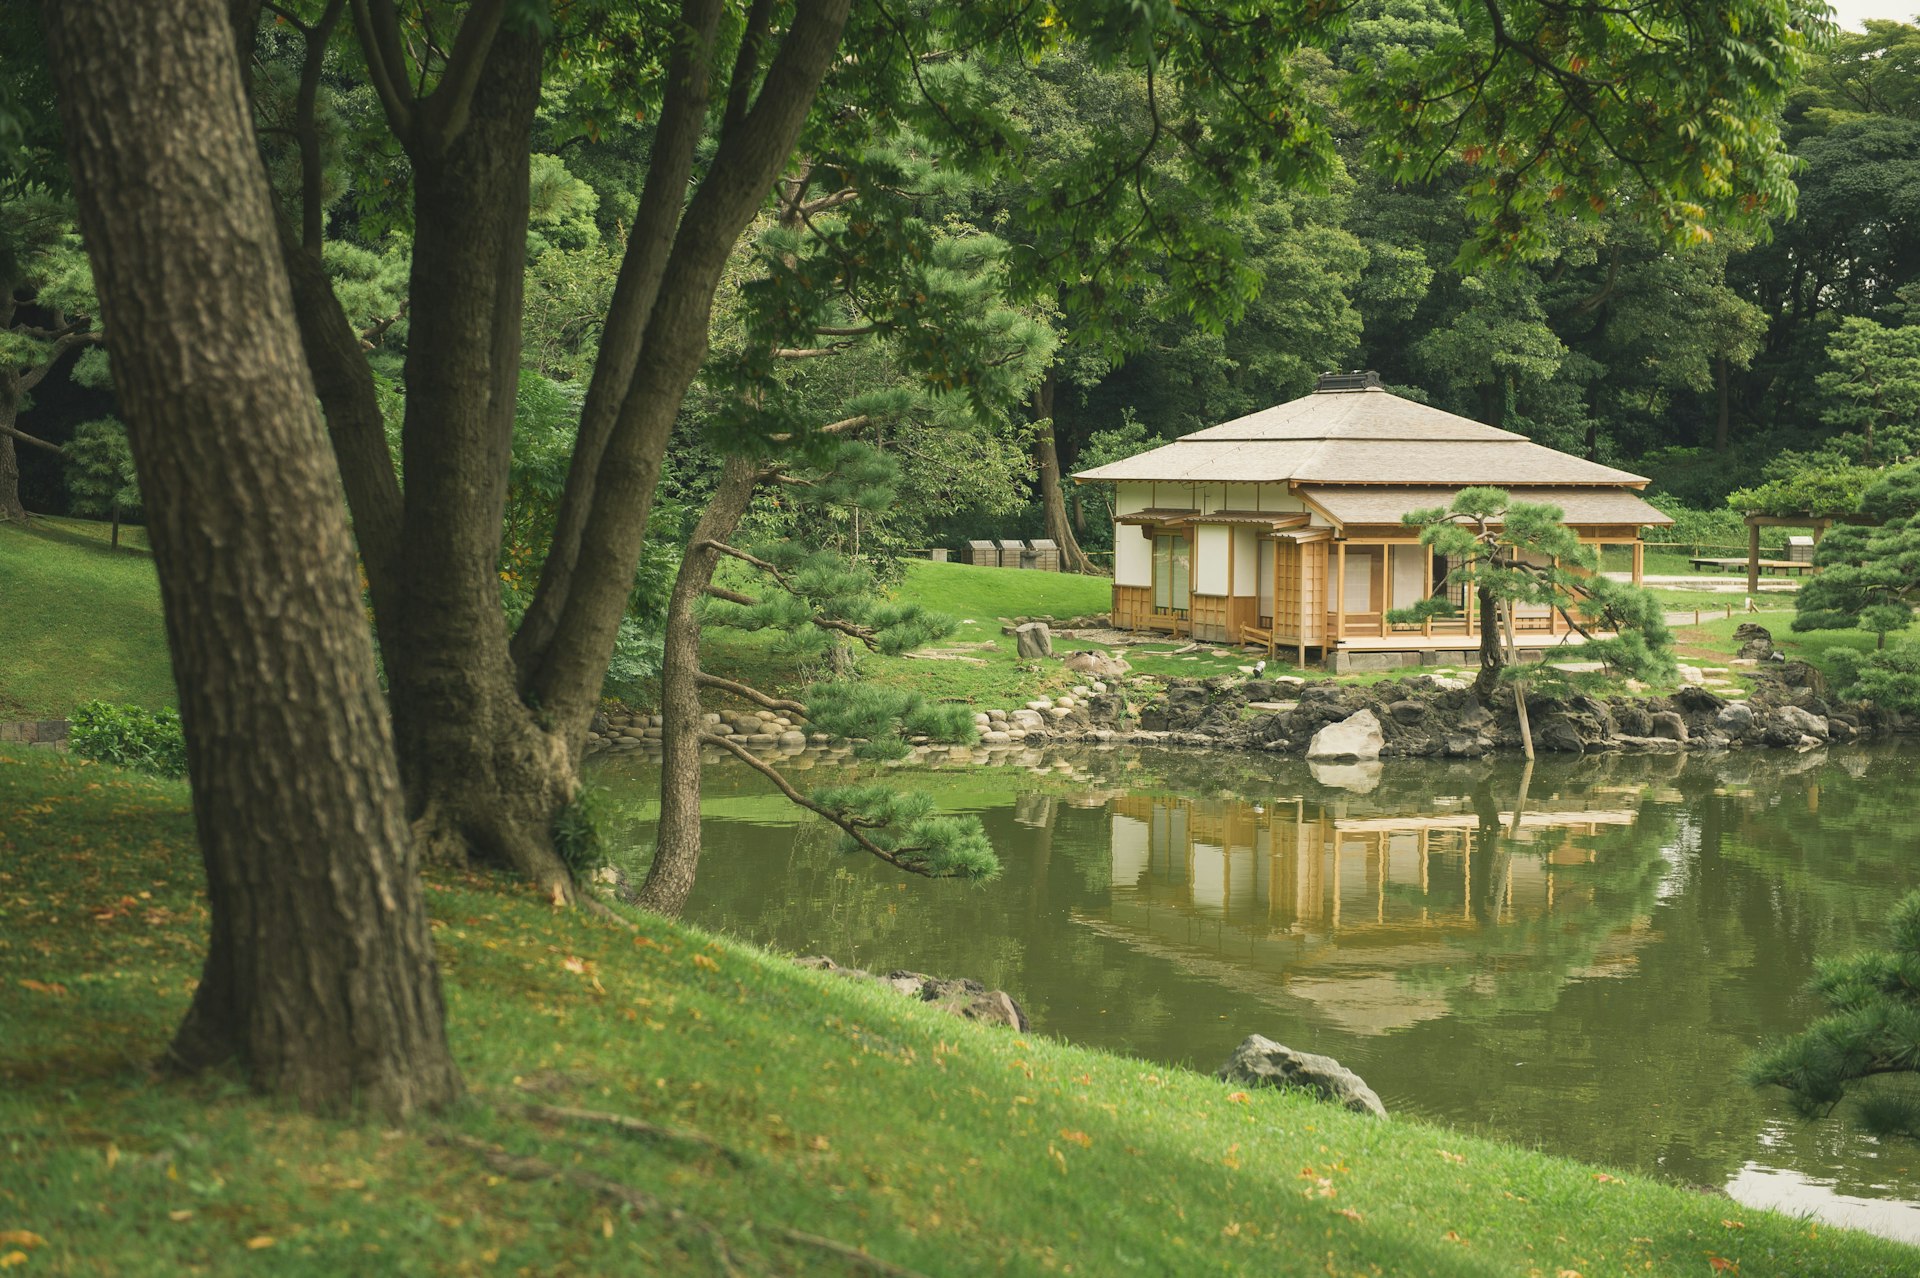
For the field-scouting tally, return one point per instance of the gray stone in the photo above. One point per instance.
(995, 739)
(1806, 723)
(793, 740)
(1669, 725)
(1095, 665)
(1408, 712)
(1357, 736)
(1261, 1062)
(1735, 718)
(1027, 720)
(1033, 639)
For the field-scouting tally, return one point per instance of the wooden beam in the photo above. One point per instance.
(1753, 557)
(1426, 627)
(1300, 560)
(1340, 595)
(1640, 561)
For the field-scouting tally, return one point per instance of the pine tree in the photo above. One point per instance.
(1868, 1045)
(1512, 553)
(100, 478)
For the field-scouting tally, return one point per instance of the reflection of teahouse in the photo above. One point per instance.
(1283, 528)
(1346, 908)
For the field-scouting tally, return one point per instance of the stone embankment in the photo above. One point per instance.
(1785, 705)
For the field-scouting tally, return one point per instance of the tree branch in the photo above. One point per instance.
(33, 377)
(446, 107)
(378, 28)
(746, 693)
(753, 38)
(306, 130)
(853, 829)
(35, 440)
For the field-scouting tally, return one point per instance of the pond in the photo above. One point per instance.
(1579, 957)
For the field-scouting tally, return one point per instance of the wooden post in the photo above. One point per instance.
(1386, 586)
(1301, 576)
(1639, 561)
(1753, 557)
(1340, 594)
(1426, 627)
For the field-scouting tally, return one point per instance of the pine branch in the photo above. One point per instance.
(35, 440)
(853, 827)
(746, 693)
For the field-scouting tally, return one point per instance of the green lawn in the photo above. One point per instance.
(849, 1117)
(78, 620)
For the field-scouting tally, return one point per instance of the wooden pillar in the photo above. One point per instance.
(1639, 561)
(1753, 558)
(1300, 575)
(1340, 594)
(1386, 585)
(1426, 627)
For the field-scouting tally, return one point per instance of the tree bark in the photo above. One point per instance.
(1053, 500)
(1492, 654)
(11, 511)
(320, 976)
(485, 776)
(676, 854)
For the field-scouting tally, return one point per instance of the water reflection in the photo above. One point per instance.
(1578, 957)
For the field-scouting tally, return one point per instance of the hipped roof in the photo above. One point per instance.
(1359, 437)
(1580, 506)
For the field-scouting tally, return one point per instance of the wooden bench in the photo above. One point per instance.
(1766, 565)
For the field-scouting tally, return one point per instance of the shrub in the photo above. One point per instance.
(130, 737)
(1889, 678)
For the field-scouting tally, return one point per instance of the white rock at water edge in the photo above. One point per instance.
(1357, 736)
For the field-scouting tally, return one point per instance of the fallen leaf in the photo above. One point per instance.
(180, 1216)
(701, 960)
(12, 1258)
(1077, 1137)
(1732, 1224)
(1451, 1157)
(1453, 1237)
(1605, 1179)
(54, 988)
(1350, 1214)
(1568, 1273)
(259, 1242)
(1230, 1230)
(577, 966)
(1721, 1264)
(21, 1238)
(1238, 1098)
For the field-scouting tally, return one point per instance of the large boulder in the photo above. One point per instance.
(969, 1000)
(1357, 736)
(1033, 639)
(1092, 664)
(1261, 1062)
(1804, 722)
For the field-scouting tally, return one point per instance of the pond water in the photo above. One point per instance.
(1578, 958)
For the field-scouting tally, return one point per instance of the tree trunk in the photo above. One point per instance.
(320, 977)
(1492, 655)
(1053, 501)
(485, 777)
(1723, 396)
(676, 854)
(11, 511)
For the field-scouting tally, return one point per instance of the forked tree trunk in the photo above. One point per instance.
(320, 976)
(676, 854)
(1492, 653)
(1053, 499)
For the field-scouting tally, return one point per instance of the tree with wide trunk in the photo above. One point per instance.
(38, 261)
(491, 721)
(320, 980)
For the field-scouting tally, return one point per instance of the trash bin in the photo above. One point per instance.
(983, 554)
(1046, 554)
(1013, 554)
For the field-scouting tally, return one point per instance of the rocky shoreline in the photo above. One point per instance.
(1787, 706)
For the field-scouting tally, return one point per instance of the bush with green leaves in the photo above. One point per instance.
(1868, 1044)
(1869, 576)
(129, 737)
(1889, 678)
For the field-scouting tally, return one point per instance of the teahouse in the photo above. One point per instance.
(1283, 528)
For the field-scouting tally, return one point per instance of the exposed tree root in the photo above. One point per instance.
(637, 1127)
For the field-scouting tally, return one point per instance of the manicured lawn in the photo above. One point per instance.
(78, 620)
(849, 1115)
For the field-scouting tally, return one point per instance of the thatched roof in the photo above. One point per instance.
(1365, 436)
(1580, 506)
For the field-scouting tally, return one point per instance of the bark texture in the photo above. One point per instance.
(676, 855)
(1053, 499)
(320, 977)
(11, 511)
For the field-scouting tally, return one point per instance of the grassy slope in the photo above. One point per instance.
(941, 1146)
(78, 620)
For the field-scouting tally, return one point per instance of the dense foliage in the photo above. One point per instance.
(129, 737)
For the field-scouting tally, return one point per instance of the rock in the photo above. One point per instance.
(793, 739)
(969, 1000)
(1357, 736)
(1756, 642)
(1735, 719)
(1261, 1062)
(1033, 639)
(1798, 674)
(1669, 726)
(1407, 712)
(1691, 674)
(1558, 736)
(1027, 720)
(995, 739)
(1804, 722)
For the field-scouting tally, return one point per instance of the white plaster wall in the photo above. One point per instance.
(1210, 560)
(1132, 556)
(1268, 549)
(1409, 574)
(1246, 562)
(1132, 549)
